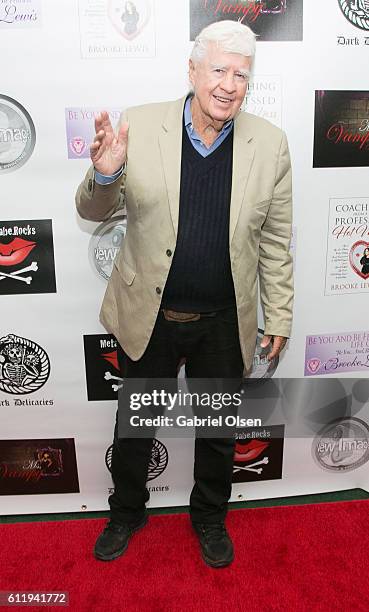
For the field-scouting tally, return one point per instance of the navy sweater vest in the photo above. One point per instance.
(200, 277)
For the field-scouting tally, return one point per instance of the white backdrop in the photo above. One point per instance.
(47, 66)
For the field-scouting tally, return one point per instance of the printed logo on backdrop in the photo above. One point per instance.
(264, 98)
(347, 261)
(105, 243)
(269, 19)
(30, 467)
(24, 365)
(80, 129)
(357, 12)
(102, 370)
(158, 460)
(27, 257)
(20, 14)
(117, 28)
(335, 353)
(129, 18)
(342, 445)
(261, 367)
(17, 135)
(341, 129)
(258, 454)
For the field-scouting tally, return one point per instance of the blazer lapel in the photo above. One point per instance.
(170, 143)
(243, 155)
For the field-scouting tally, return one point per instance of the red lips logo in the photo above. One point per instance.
(359, 258)
(249, 451)
(15, 252)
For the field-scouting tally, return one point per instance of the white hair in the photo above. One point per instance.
(230, 36)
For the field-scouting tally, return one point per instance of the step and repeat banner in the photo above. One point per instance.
(61, 63)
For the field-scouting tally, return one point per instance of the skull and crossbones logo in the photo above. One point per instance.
(18, 365)
(24, 365)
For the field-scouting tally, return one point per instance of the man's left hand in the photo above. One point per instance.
(278, 343)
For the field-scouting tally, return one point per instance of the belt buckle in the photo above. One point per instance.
(180, 317)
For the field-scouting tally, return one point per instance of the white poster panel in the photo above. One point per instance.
(115, 29)
(264, 98)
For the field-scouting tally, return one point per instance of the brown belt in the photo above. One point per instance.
(185, 317)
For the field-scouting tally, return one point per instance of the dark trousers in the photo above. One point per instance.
(212, 350)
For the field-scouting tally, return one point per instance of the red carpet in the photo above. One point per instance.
(302, 558)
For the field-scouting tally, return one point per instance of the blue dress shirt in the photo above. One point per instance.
(104, 179)
(195, 138)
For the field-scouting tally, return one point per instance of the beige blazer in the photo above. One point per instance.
(259, 231)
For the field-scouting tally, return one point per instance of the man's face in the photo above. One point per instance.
(220, 81)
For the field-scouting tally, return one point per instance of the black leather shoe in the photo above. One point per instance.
(216, 545)
(113, 541)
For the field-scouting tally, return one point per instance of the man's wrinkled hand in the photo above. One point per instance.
(278, 344)
(108, 152)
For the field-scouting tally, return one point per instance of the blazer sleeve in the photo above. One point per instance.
(99, 202)
(275, 260)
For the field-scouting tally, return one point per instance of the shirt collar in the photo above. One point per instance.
(187, 117)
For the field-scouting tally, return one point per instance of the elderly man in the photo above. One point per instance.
(207, 191)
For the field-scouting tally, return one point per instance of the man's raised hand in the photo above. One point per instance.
(108, 152)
